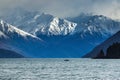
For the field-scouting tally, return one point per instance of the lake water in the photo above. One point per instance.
(58, 69)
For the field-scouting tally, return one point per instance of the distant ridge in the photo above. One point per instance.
(105, 46)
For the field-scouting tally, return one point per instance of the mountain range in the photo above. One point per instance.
(16, 40)
(45, 35)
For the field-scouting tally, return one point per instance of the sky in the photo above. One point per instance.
(65, 8)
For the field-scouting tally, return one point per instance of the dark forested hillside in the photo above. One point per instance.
(113, 52)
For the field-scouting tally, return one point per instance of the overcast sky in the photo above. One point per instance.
(64, 8)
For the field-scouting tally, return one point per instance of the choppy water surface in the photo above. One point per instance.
(58, 69)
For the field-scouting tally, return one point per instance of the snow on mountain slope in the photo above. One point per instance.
(95, 29)
(5, 29)
(87, 25)
(16, 40)
(40, 23)
(103, 46)
(95, 25)
(50, 25)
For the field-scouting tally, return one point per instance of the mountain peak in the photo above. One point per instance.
(51, 25)
(6, 28)
(16, 40)
(45, 24)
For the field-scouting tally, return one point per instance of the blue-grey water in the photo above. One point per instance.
(58, 69)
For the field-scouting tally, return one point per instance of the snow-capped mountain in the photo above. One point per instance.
(71, 35)
(16, 40)
(49, 25)
(95, 25)
(104, 46)
(6, 28)
(38, 23)
(87, 25)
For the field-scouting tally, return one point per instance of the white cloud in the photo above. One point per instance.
(63, 8)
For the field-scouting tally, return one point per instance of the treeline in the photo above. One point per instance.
(113, 52)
